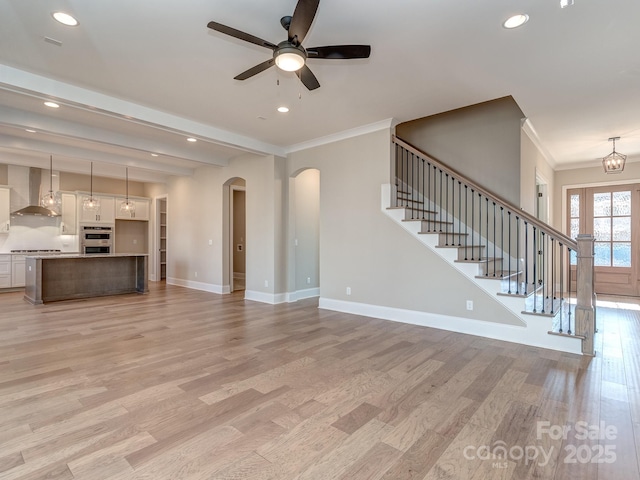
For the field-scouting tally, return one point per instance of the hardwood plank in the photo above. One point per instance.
(188, 385)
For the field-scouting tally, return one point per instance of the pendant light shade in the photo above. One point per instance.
(50, 200)
(91, 203)
(127, 207)
(614, 162)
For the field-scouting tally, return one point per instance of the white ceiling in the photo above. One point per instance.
(138, 77)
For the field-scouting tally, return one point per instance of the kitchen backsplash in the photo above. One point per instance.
(37, 233)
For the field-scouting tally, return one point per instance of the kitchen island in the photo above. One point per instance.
(65, 277)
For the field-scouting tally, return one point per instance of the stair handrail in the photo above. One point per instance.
(542, 226)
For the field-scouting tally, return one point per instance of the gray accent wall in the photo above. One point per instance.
(481, 142)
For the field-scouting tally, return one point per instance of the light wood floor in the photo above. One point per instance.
(181, 384)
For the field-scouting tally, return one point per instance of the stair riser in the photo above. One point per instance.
(470, 253)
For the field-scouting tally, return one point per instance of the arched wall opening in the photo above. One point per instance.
(304, 234)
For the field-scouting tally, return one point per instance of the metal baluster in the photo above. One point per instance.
(561, 247)
(405, 176)
(535, 261)
(459, 213)
(480, 226)
(440, 217)
(502, 239)
(446, 209)
(553, 274)
(429, 188)
(412, 190)
(569, 301)
(509, 249)
(473, 222)
(526, 257)
(494, 239)
(466, 221)
(543, 250)
(486, 204)
(517, 255)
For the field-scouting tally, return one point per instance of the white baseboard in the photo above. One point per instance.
(271, 298)
(239, 276)
(533, 334)
(207, 287)
(302, 294)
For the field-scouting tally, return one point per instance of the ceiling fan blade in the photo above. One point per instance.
(218, 27)
(340, 51)
(255, 70)
(308, 78)
(302, 19)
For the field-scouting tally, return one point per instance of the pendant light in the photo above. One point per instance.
(127, 207)
(614, 162)
(91, 203)
(50, 200)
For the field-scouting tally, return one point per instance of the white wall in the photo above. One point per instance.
(196, 209)
(533, 162)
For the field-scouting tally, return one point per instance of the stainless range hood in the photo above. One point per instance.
(34, 208)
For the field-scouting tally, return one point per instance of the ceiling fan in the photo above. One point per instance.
(290, 55)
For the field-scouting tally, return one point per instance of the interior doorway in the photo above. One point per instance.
(161, 239)
(238, 235)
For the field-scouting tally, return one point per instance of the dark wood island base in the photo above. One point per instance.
(66, 277)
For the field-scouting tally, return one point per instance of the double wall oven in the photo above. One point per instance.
(96, 239)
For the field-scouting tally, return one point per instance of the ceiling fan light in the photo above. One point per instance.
(516, 21)
(65, 19)
(289, 60)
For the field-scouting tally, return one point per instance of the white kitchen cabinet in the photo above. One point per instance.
(105, 214)
(5, 271)
(17, 271)
(5, 195)
(141, 209)
(68, 216)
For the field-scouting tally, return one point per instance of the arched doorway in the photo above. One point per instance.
(304, 272)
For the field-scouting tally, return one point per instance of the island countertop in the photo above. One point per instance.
(84, 255)
(51, 278)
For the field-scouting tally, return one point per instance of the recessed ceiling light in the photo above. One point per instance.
(65, 19)
(29, 130)
(516, 21)
(191, 139)
(52, 104)
(283, 109)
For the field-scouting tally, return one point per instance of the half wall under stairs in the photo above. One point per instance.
(535, 329)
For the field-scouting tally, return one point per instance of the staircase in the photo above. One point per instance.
(544, 277)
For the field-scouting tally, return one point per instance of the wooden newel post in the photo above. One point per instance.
(585, 308)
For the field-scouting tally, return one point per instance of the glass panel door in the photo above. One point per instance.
(610, 215)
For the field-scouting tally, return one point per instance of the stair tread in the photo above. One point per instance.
(500, 275)
(543, 307)
(480, 260)
(518, 289)
(460, 246)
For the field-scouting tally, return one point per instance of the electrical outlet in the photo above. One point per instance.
(308, 280)
(210, 242)
(135, 241)
(469, 304)
(348, 290)
(195, 274)
(266, 283)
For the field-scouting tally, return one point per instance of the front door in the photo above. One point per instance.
(611, 215)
